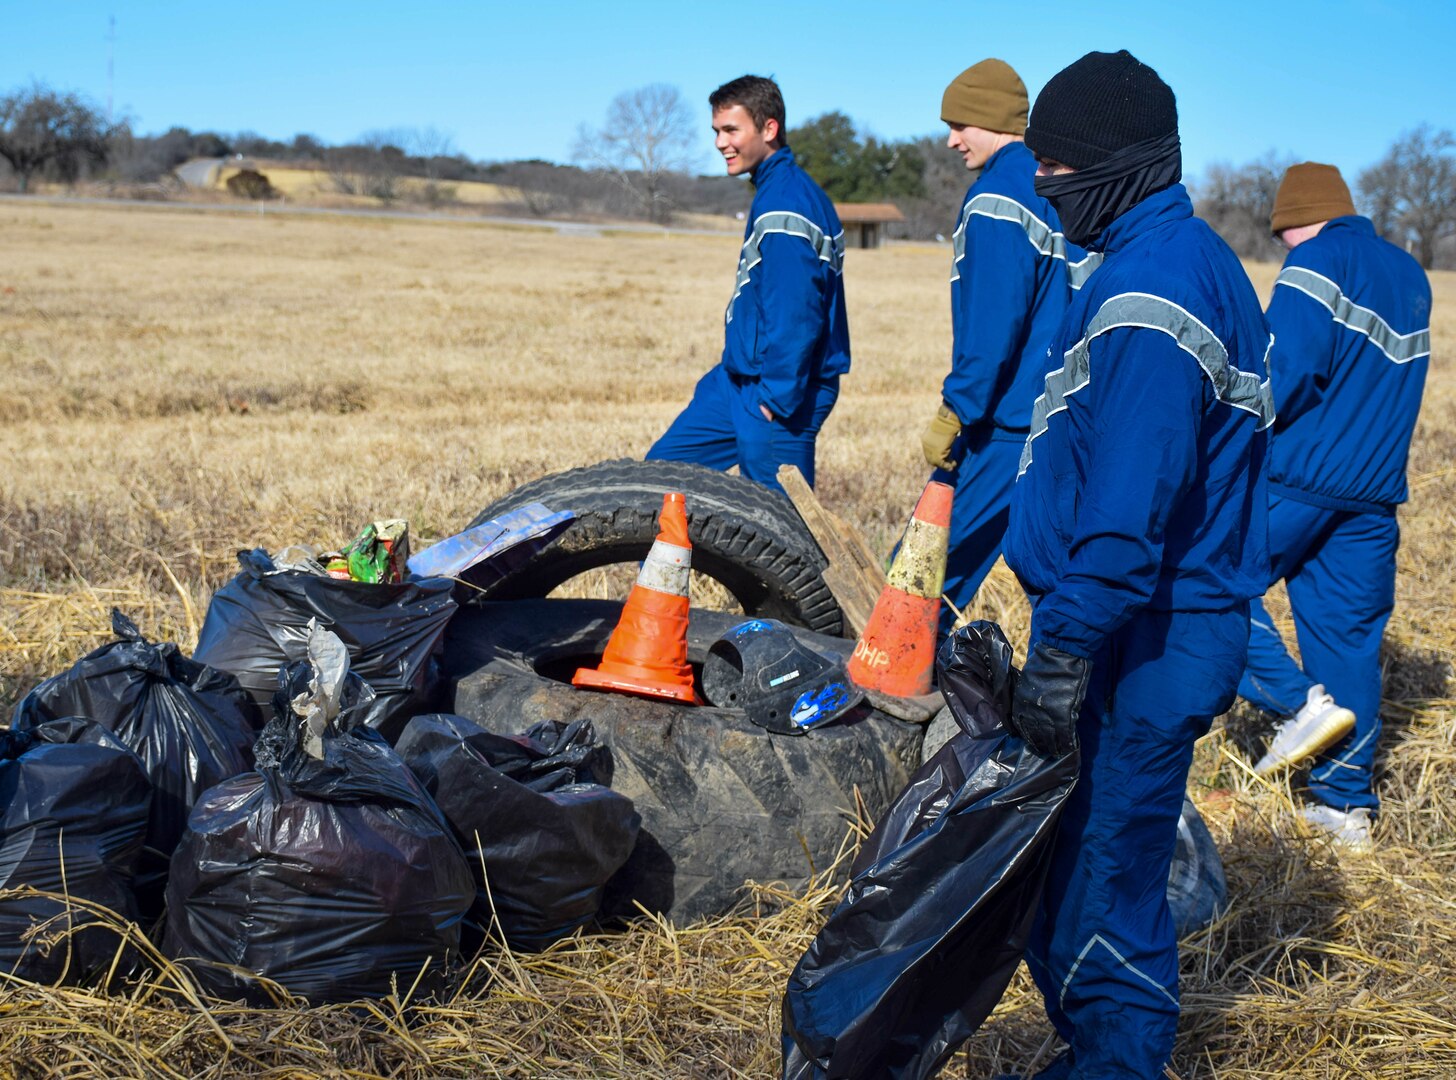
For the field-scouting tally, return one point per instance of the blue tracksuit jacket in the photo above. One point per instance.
(1142, 480)
(786, 324)
(1011, 280)
(1351, 316)
(1009, 287)
(1351, 321)
(786, 340)
(1138, 526)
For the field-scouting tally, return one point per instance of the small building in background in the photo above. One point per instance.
(864, 223)
(201, 172)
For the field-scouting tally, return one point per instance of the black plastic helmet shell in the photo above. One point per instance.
(761, 667)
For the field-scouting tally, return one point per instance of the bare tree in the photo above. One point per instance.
(1378, 186)
(649, 135)
(1410, 194)
(433, 151)
(43, 130)
(544, 189)
(372, 166)
(431, 146)
(1237, 200)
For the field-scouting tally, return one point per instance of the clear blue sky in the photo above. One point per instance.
(1329, 80)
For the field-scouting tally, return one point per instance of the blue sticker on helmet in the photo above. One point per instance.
(818, 705)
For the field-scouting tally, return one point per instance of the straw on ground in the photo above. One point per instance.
(174, 388)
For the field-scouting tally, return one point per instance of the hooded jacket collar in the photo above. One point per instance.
(1007, 155)
(1169, 205)
(765, 168)
(1355, 222)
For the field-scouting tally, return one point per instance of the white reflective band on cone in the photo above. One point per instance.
(666, 569)
(919, 568)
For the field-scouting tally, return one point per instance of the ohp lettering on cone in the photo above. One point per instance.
(896, 653)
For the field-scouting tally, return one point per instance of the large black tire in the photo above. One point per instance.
(722, 801)
(745, 536)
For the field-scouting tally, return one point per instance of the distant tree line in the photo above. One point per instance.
(56, 137)
(1409, 195)
(641, 163)
(642, 152)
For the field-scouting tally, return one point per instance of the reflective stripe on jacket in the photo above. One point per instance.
(1011, 279)
(1142, 481)
(1351, 316)
(786, 323)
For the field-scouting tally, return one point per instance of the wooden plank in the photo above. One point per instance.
(853, 575)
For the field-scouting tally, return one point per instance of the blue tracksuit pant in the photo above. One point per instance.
(722, 427)
(1103, 949)
(1339, 568)
(989, 458)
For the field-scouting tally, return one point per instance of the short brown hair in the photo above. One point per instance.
(760, 98)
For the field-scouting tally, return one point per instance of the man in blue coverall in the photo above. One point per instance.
(1138, 529)
(1351, 320)
(786, 342)
(1011, 280)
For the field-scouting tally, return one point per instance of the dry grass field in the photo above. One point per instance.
(305, 184)
(316, 188)
(176, 386)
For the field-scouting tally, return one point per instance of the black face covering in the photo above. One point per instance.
(1091, 199)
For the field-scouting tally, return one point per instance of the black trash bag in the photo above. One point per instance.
(538, 825)
(336, 877)
(258, 622)
(74, 806)
(191, 725)
(942, 894)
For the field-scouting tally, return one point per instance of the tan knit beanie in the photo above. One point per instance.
(986, 95)
(1308, 193)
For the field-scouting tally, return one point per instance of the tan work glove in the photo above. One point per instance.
(940, 435)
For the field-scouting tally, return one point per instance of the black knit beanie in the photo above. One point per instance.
(1101, 104)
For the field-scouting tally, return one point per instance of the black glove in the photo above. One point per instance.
(1048, 697)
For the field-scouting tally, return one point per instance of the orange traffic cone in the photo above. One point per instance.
(648, 651)
(896, 652)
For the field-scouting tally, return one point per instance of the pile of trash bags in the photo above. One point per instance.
(292, 810)
(247, 801)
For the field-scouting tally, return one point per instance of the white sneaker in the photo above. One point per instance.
(1317, 726)
(1348, 829)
